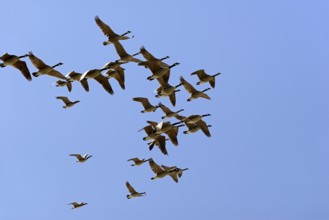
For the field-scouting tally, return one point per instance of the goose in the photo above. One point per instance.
(159, 141)
(150, 131)
(192, 118)
(194, 93)
(151, 59)
(14, 61)
(67, 102)
(81, 158)
(96, 74)
(192, 128)
(137, 161)
(160, 172)
(77, 204)
(204, 77)
(146, 104)
(165, 89)
(133, 192)
(124, 56)
(61, 83)
(168, 112)
(159, 71)
(118, 74)
(107, 31)
(44, 69)
(166, 127)
(175, 169)
(74, 76)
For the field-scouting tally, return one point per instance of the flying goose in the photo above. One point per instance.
(97, 75)
(137, 161)
(146, 104)
(107, 31)
(150, 59)
(81, 158)
(192, 118)
(160, 172)
(158, 71)
(192, 128)
(168, 112)
(150, 131)
(165, 89)
(44, 69)
(124, 56)
(77, 204)
(159, 141)
(14, 61)
(194, 93)
(175, 170)
(74, 76)
(61, 83)
(67, 102)
(118, 74)
(204, 77)
(166, 127)
(133, 192)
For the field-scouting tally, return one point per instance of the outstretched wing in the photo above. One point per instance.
(105, 28)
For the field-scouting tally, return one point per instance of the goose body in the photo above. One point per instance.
(148, 107)
(151, 60)
(97, 75)
(77, 204)
(44, 69)
(192, 119)
(160, 172)
(194, 92)
(112, 37)
(168, 112)
(160, 71)
(200, 125)
(14, 61)
(133, 192)
(81, 158)
(67, 102)
(204, 77)
(118, 74)
(137, 161)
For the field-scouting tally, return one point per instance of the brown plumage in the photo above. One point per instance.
(14, 61)
(124, 56)
(67, 102)
(133, 192)
(194, 92)
(204, 77)
(146, 104)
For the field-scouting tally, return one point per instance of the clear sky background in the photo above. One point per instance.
(268, 154)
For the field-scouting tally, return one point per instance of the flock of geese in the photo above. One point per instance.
(159, 70)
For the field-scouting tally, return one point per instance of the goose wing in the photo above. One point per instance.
(188, 87)
(172, 98)
(204, 127)
(105, 28)
(130, 188)
(135, 159)
(37, 63)
(145, 102)
(105, 83)
(21, 65)
(155, 167)
(200, 73)
(165, 109)
(172, 134)
(120, 50)
(161, 143)
(64, 99)
(56, 74)
(85, 84)
(147, 55)
(173, 175)
(78, 156)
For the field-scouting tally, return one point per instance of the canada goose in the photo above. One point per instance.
(81, 158)
(44, 69)
(96, 74)
(160, 172)
(133, 192)
(146, 104)
(159, 141)
(13, 60)
(74, 76)
(118, 74)
(192, 128)
(204, 77)
(150, 131)
(165, 89)
(67, 102)
(175, 169)
(137, 161)
(160, 71)
(124, 56)
(192, 118)
(194, 93)
(168, 112)
(61, 83)
(107, 31)
(151, 59)
(166, 127)
(77, 204)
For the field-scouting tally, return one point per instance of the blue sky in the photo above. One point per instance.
(268, 154)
